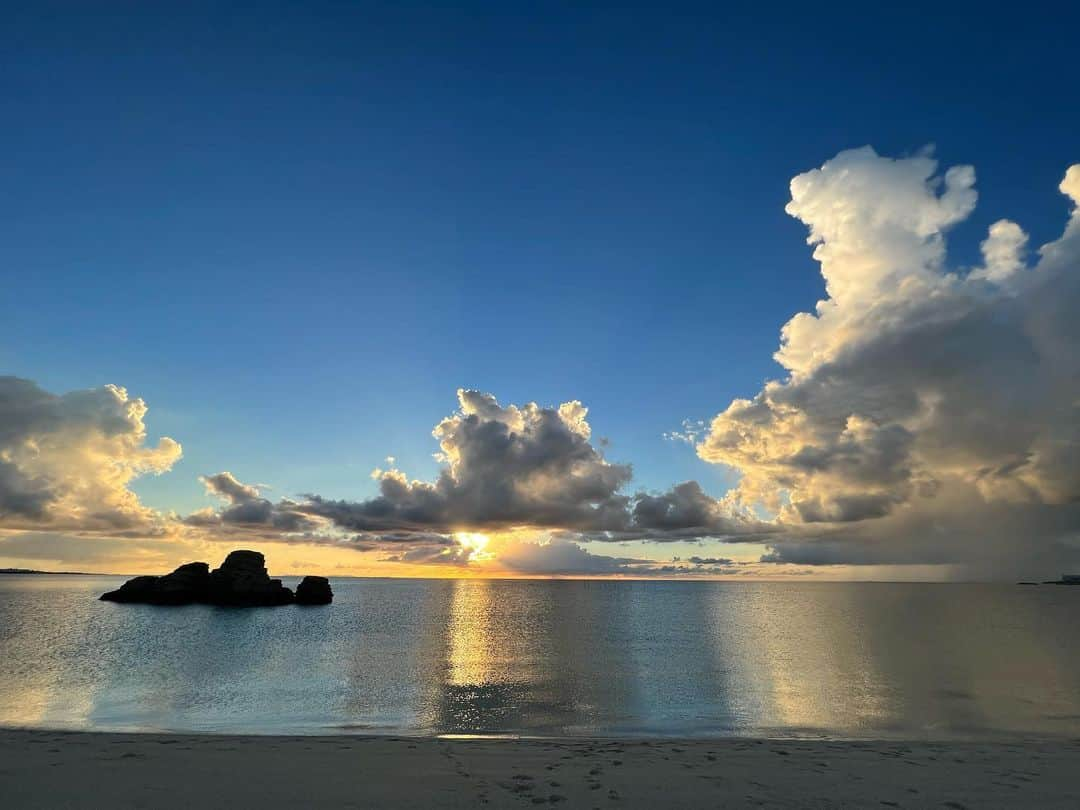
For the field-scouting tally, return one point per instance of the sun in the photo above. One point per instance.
(474, 543)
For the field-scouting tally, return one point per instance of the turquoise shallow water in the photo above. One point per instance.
(552, 658)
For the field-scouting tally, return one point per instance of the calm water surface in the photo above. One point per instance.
(552, 658)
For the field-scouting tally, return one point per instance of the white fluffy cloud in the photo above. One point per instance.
(916, 389)
(66, 461)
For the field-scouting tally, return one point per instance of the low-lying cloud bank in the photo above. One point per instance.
(929, 415)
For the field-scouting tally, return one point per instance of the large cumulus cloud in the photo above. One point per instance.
(928, 412)
(502, 467)
(66, 460)
(527, 466)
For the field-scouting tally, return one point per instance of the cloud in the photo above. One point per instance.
(916, 389)
(247, 508)
(692, 432)
(56, 548)
(710, 560)
(557, 556)
(527, 466)
(503, 467)
(685, 508)
(417, 551)
(66, 461)
(225, 485)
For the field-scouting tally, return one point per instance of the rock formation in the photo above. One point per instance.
(314, 591)
(187, 584)
(241, 581)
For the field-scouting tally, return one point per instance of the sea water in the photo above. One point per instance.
(587, 658)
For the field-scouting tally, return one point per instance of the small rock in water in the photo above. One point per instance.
(314, 591)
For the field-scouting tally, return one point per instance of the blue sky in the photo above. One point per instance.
(295, 230)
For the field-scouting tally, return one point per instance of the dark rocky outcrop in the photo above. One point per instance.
(138, 589)
(241, 581)
(187, 584)
(314, 591)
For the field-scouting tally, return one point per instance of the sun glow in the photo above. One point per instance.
(475, 543)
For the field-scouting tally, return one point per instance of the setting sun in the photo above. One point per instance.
(474, 543)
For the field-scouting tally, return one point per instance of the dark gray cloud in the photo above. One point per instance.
(685, 506)
(226, 486)
(528, 466)
(23, 495)
(247, 508)
(504, 467)
(710, 560)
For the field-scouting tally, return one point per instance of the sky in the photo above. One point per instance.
(297, 239)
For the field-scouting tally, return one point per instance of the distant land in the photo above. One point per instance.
(33, 571)
(1066, 579)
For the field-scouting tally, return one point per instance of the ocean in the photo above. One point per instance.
(552, 658)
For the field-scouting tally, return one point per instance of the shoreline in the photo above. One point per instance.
(41, 768)
(349, 732)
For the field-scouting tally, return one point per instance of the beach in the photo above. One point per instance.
(54, 769)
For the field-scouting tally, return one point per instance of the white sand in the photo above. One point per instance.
(60, 769)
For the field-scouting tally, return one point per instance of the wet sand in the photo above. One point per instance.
(51, 769)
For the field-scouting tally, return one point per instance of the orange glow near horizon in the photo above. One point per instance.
(482, 561)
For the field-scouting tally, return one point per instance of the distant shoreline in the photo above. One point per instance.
(31, 571)
(90, 769)
(558, 578)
